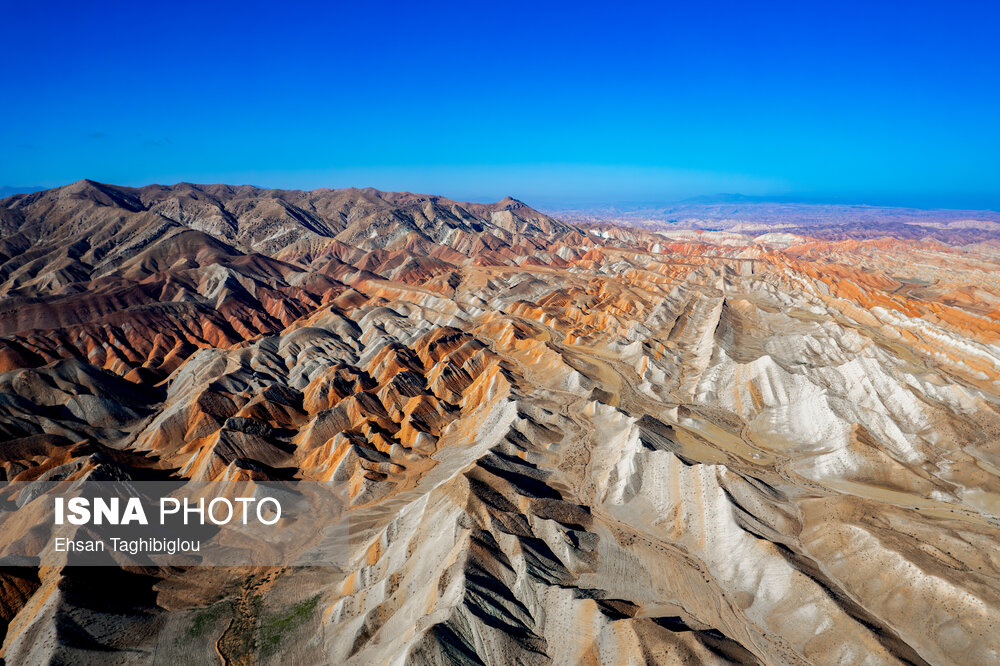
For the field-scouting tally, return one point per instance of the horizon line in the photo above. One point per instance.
(564, 205)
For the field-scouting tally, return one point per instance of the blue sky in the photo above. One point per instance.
(554, 103)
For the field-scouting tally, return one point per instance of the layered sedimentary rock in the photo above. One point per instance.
(560, 444)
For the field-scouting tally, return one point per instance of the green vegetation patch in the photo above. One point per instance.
(274, 629)
(208, 617)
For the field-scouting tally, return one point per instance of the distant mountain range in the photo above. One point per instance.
(11, 190)
(737, 212)
(738, 198)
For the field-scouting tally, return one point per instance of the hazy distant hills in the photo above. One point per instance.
(7, 190)
(743, 213)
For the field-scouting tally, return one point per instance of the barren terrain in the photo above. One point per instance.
(562, 443)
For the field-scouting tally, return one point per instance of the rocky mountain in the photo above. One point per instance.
(561, 443)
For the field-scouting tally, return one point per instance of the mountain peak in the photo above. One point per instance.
(511, 204)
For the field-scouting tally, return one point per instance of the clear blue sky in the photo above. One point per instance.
(554, 103)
